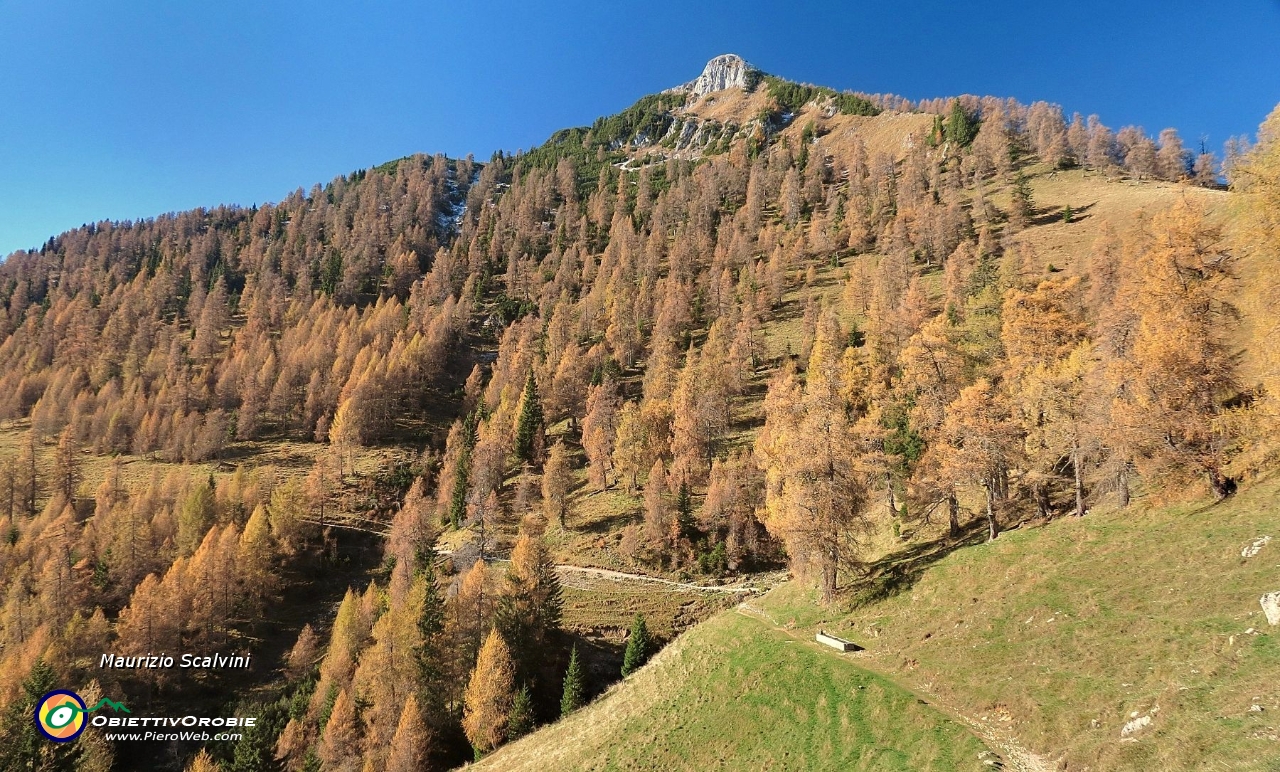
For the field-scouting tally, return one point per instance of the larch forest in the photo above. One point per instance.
(422, 440)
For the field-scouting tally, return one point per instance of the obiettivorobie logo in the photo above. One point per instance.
(60, 715)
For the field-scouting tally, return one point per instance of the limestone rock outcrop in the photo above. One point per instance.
(723, 72)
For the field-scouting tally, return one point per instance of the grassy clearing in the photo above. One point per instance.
(734, 693)
(285, 458)
(594, 605)
(1094, 199)
(1065, 633)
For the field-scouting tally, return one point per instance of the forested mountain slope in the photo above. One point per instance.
(745, 323)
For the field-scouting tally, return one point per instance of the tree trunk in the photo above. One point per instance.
(829, 578)
(1044, 508)
(893, 505)
(953, 514)
(1222, 485)
(1122, 486)
(1079, 481)
(992, 529)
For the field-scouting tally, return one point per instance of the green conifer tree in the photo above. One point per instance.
(684, 510)
(521, 719)
(571, 700)
(430, 653)
(961, 129)
(21, 746)
(1022, 206)
(529, 422)
(462, 473)
(637, 647)
(255, 752)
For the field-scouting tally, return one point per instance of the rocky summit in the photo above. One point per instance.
(723, 72)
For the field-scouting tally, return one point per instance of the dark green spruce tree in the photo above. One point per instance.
(571, 700)
(256, 749)
(462, 473)
(684, 511)
(637, 647)
(520, 719)
(21, 745)
(429, 655)
(529, 425)
(961, 129)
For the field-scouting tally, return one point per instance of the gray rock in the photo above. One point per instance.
(1254, 548)
(1271, 607)
(1135, 725)
(723, 72)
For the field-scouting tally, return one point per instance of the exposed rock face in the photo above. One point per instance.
(1271, 607)
(723, 72)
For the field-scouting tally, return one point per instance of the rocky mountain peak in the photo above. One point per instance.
(723, 72)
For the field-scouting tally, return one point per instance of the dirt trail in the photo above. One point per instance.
(758, 582)
(1014, 755)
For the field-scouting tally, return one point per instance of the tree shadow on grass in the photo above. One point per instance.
(899, 571)
(606, 523)
(1052, 214)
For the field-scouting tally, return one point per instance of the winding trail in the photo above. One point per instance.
(1014, 755)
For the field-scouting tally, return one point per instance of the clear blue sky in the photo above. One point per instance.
(112, 110)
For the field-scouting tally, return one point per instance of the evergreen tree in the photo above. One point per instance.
(530, 606)
(255, 752)
(529, 425)
(571, 700)
(961, 129)
(637, 647)
(21, 746)
(462, 470)
(1022, 206)
(431, 651)
(520, 720)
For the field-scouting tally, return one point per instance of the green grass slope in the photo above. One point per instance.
(1064, 634)
(734, 693)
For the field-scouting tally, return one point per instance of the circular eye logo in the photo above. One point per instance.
(60, 715)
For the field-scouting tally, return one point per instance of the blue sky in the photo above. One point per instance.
(117, 110)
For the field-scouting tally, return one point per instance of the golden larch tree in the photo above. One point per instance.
(489, 695)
